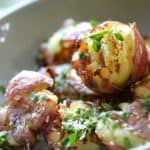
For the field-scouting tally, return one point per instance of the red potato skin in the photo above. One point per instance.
(69, 44)
(140, 65)
(63, 56)
(24, 117)
(24, 83)
(139, 120)
(140, 59)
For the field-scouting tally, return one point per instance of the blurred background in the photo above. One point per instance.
(26, 23)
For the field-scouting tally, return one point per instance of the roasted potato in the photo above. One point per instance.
(24, 83)
(120, 130)
(30, 107)
(141, 89)
(111, 57)
(75, 126)
(61, 45)
(75, 81)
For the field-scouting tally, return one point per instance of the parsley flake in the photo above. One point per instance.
(70, 140)
(119, 36)
(82, 97)
(125, 115)
(127, 143)
(96, 45)
(98, 36)
(94, 23)
(107, 106)
(83, 55)
(78, 125)
(2, 89)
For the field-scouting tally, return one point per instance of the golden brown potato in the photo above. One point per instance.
(63, 43)
(141, 89)
(111, 57)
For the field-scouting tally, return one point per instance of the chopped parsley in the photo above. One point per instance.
(35, 98)
(116, 125)
(107, 106)
(104, 117)
(2, 89)
(56, 84)
(125, 115)
(82, 97)
(78, 124)
(94, 23)
(60, 80)
(83, 55)
(63, 75)
(127, 143)
(70, 140)
(119, 36)
(146, 103)
(2, 140)
(98, 36)
(96, 45)
(3, 137)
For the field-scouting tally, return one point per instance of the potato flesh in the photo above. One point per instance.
(123, 53)
(116, 136)
(55, 137)
(142, 88)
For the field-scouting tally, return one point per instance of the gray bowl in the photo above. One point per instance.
(34, 23)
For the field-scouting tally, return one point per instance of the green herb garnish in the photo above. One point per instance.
(83, 55)
(82, 97)
(127, 143)
(98, 36)
(60, 80)
(2, 89)
(94, 23)
(56, 84)
(35, 98)
(146, 103)
(78, 124)
(96, 45)
(63, 75)
(119, 36)
(125, 115)
(105, 117)
(3, 137)
(107, 106)
(70, 140)
(116, 125)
